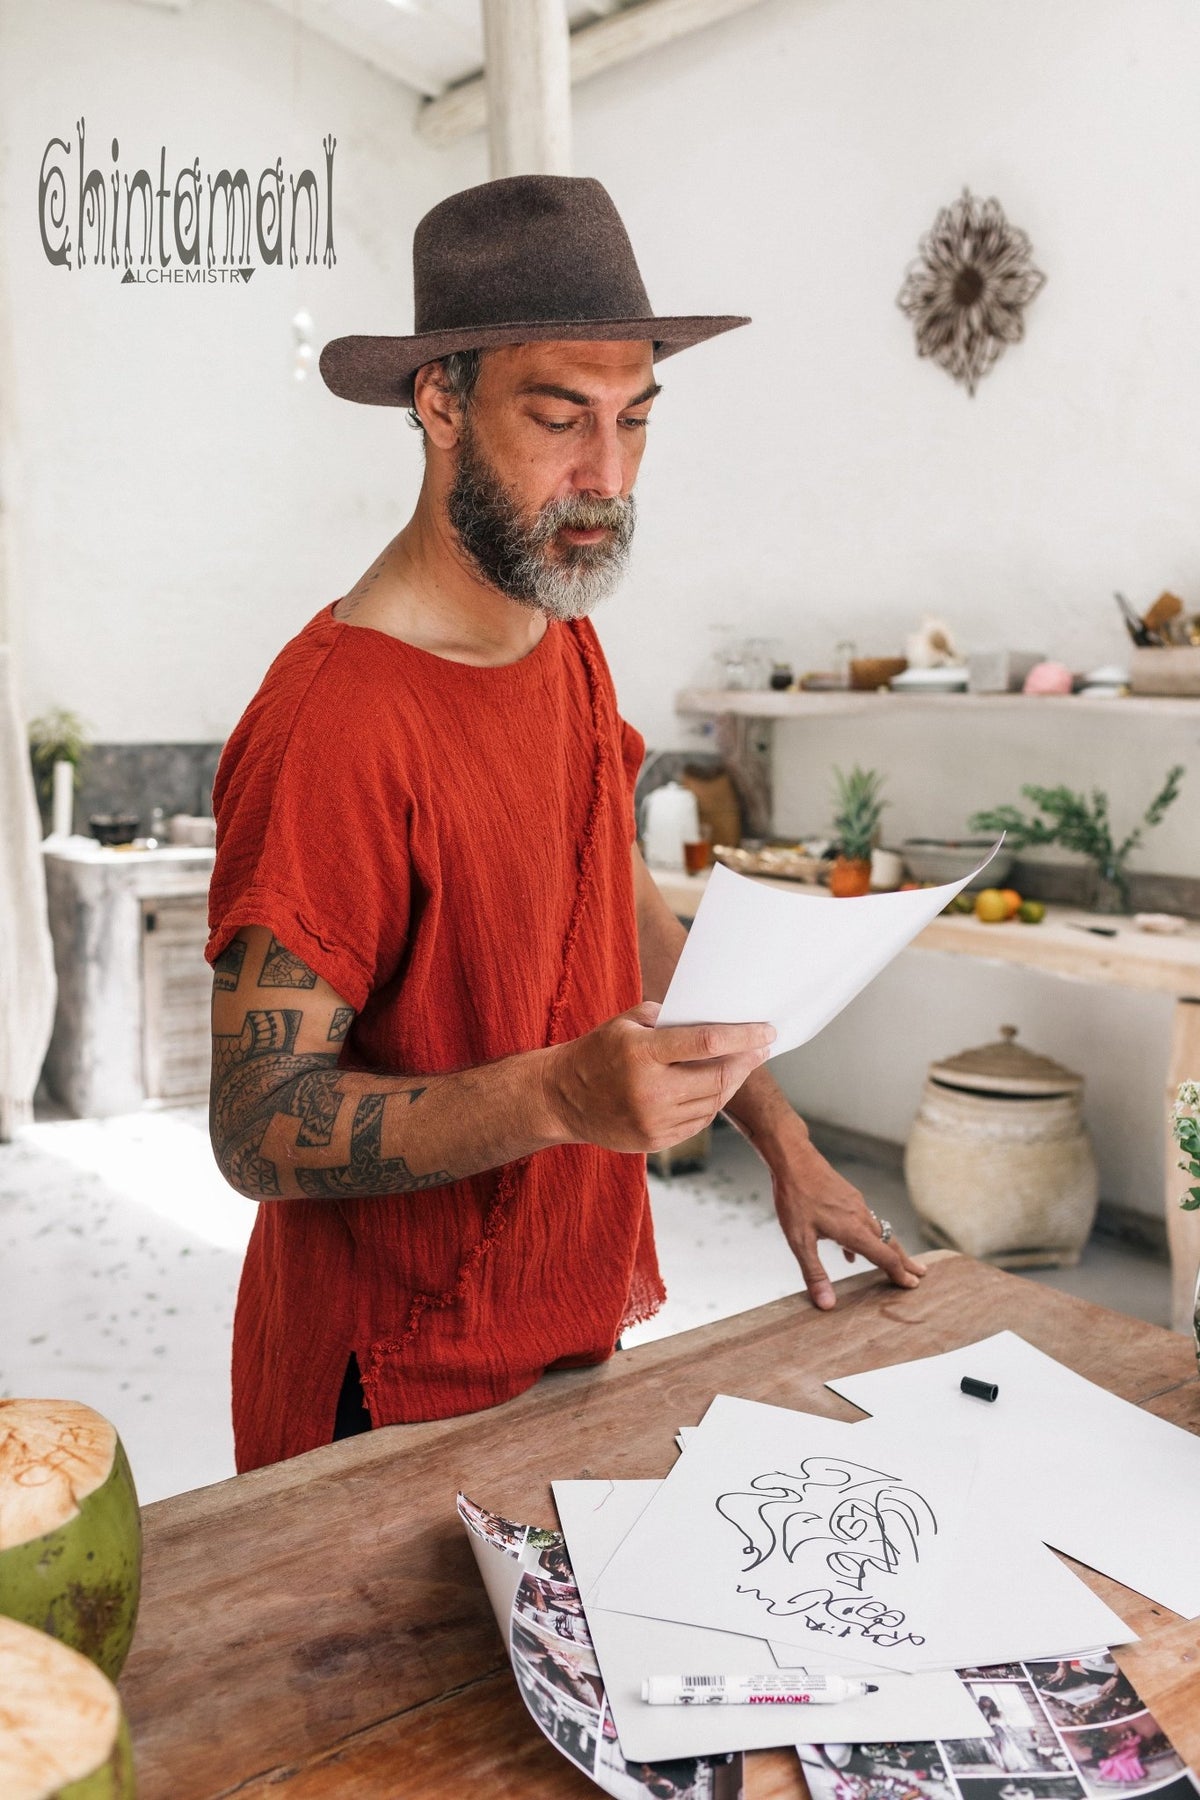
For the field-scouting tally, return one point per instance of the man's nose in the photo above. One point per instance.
(601, 471)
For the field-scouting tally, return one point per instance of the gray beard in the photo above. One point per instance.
(515, 556)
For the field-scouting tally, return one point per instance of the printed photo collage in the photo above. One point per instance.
(1068, 1730)
(560, 1681)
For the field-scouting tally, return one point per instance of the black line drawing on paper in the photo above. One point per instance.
(836, 1528)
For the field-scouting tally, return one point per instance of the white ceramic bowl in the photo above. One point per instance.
(949, 859)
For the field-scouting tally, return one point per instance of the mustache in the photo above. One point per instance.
(581, 514)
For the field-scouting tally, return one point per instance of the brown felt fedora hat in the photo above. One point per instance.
(510, 261)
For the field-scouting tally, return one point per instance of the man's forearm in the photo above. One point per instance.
(288, 1126)
(766, 1117)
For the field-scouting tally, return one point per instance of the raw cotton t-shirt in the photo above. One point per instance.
(449, 846)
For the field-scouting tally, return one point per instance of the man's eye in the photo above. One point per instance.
(556, 424)
(635, 424)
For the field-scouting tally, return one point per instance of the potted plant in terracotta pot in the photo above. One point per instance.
(856, 826)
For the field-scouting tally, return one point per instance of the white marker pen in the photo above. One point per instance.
(776, 1689)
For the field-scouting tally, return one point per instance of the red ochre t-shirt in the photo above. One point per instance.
(413, 828)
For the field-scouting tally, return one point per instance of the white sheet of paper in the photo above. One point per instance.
(595, 1517)
(1019, 1603)
(1096, 1477)
(814, 1531)
(794, 960)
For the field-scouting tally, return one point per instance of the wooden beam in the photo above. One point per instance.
(593, 48)
(527, 79)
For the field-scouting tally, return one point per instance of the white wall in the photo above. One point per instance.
(810, 479)
(179, 506)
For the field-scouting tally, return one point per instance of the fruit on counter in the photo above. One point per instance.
(1031, 912)
(63, 1733)
(991, 907)
(1013, 901)
(963, 903)
(70, 1531)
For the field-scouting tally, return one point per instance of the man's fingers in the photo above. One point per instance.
(891, 1257)
(820, 1288)
(701, 1043)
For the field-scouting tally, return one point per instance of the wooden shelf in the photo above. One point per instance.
(768, 704)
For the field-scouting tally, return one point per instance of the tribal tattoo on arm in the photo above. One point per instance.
(286, 1121)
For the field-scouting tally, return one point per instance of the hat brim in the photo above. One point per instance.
(379, 371)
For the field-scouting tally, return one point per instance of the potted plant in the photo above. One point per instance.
(59, 737)
(856, 826)
(1186, 1127)
(1077, 822)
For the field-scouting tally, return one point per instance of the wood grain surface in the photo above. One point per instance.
(319, 1628)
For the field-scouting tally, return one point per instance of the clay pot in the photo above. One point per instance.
(998, 1162)
(850, 877)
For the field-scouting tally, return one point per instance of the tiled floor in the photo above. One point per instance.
(120, 1247)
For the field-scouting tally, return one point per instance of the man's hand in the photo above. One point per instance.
(626, 1086)
(813, 1201)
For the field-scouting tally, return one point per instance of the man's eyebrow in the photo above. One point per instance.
(550, 390)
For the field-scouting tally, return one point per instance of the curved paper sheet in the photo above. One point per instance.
(534, 1595)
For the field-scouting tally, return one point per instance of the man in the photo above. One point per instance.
(436, 949)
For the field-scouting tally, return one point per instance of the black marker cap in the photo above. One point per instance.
(979, 1390)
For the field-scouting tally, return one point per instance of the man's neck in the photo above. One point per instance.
(422, 590)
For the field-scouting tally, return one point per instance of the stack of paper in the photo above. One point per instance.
(1070, 1463)
(783, 1538)
(895, 1551)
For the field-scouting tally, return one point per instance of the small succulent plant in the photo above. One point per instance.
(859, 810)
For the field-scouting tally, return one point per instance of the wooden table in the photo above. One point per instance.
(1066, 945)
(319, 1628)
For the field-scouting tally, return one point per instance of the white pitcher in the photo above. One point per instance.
(671, 820)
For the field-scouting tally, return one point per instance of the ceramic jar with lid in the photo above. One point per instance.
(998, 1162)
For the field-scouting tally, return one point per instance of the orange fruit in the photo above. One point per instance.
(991, 907)
(1013, 899)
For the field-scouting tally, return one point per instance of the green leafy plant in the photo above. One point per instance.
(859, 810)
(58, 736)
(1079, 822)
(1186, 1127)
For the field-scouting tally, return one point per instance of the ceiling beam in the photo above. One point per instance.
(615, 39)
(370, 47)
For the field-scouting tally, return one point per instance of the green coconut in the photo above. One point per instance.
(70, 1531)
(63, 1734)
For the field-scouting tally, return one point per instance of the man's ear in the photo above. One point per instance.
(439, 410)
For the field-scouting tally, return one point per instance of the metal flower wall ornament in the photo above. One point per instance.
(967, 291)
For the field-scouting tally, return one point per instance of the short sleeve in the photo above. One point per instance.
(633, 754)
(312, 839)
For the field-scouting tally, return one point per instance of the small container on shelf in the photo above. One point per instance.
(867, 673)
(1165, 670)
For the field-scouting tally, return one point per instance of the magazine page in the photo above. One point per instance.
(529, 1580)
(1072, 1729)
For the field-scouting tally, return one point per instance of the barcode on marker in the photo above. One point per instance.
(702, 1680)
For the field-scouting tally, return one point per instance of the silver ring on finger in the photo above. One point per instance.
(885, 1229)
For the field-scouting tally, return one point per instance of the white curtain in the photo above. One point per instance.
(27, 983)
